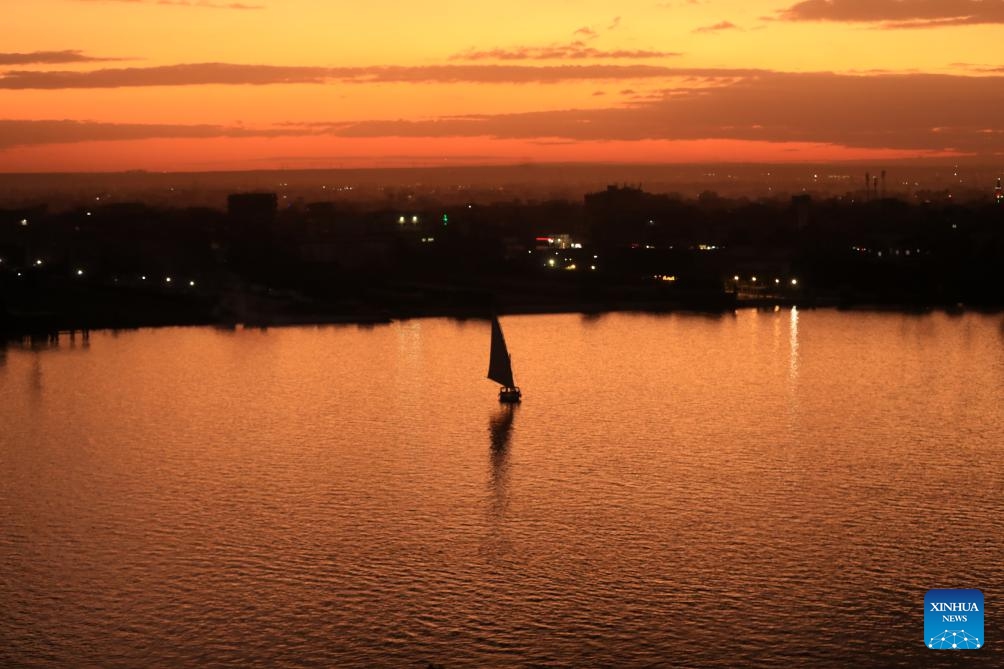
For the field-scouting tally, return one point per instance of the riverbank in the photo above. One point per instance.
(41, 326)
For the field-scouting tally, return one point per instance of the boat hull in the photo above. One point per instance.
(510, 395)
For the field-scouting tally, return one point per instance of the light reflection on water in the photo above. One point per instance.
(770, 488)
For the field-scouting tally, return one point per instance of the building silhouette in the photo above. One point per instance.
(253, 207)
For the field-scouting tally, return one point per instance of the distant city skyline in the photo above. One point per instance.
(108, 85)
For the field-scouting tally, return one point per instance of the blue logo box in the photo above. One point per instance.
(953, 620)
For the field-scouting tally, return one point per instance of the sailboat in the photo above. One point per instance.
(500, 366)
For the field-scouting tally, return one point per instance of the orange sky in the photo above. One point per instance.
(200, 85)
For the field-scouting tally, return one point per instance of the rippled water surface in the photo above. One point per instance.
(768, 489)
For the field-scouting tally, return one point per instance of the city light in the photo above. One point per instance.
(167, 280)
(24, 222)
(794, 282)
(80, 272)
(192, 284)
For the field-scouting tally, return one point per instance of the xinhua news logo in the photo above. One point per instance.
(953, 620)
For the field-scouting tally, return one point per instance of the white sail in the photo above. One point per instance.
(499, 362)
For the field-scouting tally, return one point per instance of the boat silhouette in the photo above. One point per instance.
(500, 366)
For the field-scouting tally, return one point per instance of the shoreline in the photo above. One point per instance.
(28, 332)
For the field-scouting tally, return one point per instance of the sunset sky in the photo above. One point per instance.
(214, 85)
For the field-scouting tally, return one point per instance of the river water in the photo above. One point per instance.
(770, 488)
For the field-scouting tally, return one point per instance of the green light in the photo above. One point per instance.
(446, 219)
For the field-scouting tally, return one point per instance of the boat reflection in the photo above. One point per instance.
(500, 434)
(500, 427)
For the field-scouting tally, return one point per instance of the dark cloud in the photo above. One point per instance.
(898, 13)
(571, 51)
(577, 49)
(166, 75)
(916, 112)
(227, 73)
(32, 133)
(717, 27)
(922, 112)
(50, 58)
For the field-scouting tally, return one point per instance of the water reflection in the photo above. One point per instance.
(44, 343)
(500, 434)
(793, 343)
(500, 428)
(214, 491)
(35, 377)
(409, 341)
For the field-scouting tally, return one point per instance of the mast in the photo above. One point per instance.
(499, 362)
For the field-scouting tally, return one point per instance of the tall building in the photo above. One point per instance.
(999, 193)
